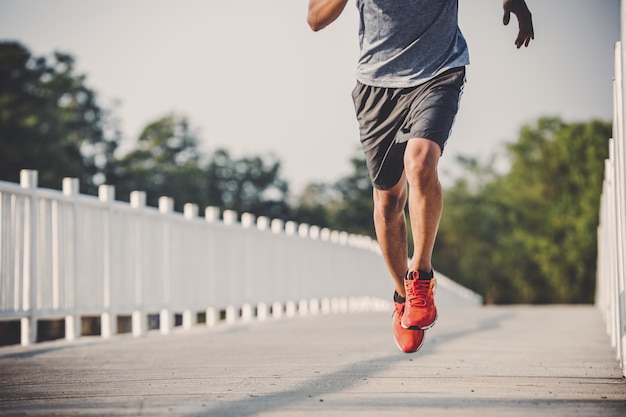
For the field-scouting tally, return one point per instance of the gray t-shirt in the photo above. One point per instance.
(405, 43)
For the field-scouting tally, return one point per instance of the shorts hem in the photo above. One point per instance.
(441, 140)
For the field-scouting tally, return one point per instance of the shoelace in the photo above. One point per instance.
(419, 294)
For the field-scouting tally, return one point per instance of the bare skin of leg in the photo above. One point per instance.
(420, 183)
(425, 199)
(390, 225)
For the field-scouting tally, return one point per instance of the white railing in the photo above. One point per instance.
(611, 281)
(68, 256)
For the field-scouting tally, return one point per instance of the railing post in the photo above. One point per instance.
(138, 201)
(290, 228)
(303, 230)
(262, 223)
(71, 187)
(190, 211)
(210, 318)
(620, 188)
(247, 220)
(231, 314)
(229, 217)
(277, 310)
(166, 206)
(261, 312)
(28, 180)
(276, 226)
(314, 232)
(211, 214)
(246, 312)
(108, 324)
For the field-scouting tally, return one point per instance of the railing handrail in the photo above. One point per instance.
(66, 255)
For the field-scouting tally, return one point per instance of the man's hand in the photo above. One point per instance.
(524, 18)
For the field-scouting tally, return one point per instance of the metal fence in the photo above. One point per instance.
(611, 281)
(66, 256)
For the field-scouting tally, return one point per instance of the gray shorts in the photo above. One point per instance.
(389, 117)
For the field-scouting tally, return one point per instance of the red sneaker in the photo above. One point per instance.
(408, 341)
(420, 311)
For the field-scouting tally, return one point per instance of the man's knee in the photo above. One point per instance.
(421, 159)
(388, 204)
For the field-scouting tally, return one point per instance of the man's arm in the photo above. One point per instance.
(524, 18)
(324, 12)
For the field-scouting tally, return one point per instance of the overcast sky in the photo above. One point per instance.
(253, 78)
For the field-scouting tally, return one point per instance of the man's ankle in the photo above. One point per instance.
(397, 298)
(420, 274)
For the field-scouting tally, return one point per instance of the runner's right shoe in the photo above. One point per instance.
(408, 341)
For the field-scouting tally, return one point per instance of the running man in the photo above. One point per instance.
(410, 76)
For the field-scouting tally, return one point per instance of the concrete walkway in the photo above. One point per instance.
(494, 361)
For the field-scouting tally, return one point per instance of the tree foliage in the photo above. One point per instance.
(248, 184)
(530, 235)
(316, 205)
(168, 162)
(355, 211)
(50, 120)
(165, 162)
(345, 205)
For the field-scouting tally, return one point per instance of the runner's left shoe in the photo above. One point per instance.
(408, 341)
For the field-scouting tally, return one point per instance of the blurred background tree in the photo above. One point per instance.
(354, 213)
(50, 121)
(344, 205)
(530, 235)
(316, 205)
(165, 162)
(248, 184)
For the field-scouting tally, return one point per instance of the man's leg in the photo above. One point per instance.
(421, 158)
(425, 204)
(390, 225)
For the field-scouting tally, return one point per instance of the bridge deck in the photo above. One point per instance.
(493, 361)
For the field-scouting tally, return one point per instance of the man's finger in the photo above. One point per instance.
(507, 16)
(523, 40)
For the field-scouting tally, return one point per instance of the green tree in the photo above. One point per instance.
(354, 213)
(249, 184)
(165, 162)
(529, 235)
(557, 170)
(467, 233)
(50, 121)
(316, 205)
(168, 162)
(345, 205)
